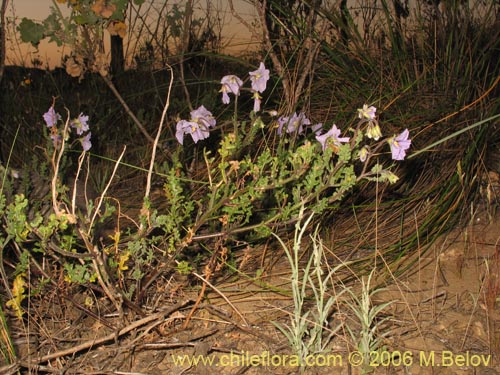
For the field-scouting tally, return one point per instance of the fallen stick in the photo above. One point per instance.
(112, 336)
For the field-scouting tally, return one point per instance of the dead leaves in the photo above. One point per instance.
(103, 8)
(117, 28)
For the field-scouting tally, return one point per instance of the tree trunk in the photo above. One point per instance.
(117, 57)
(3, 9)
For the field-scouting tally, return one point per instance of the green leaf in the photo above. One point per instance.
(88, 18)
(51, 24)
(31, 32)
(121, 7)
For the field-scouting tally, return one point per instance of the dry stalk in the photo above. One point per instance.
(3, 9)
(124, 104)
(101, 198)
(293, 81)
(160, 127)
(188, 18)
(110, 337)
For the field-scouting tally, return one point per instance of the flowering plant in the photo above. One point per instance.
(316, 171)
(198, 126)
(261, 177)
(79, 124)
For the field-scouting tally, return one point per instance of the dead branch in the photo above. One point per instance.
(110, 337)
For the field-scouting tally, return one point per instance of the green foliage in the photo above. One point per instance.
(307, 333)
(179, 210)
(31, 32)
(238, 187)
(17, 225)
(254, 180)
(368, 315)
(33, 232)
(79, 273)
(184, 268)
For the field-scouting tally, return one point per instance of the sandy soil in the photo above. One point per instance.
(444, 319)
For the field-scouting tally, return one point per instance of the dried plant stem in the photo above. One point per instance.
(236, 15)
(205, 281)
(3, 9)
(158, 134)
(261, 11)
(112, 336)
(127, 108)
(293, 81)
(101, 198)
(56, 162)
(188, 18)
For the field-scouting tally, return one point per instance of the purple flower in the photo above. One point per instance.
(303, 121)
(331, 138)
(85, 141)
(282, 121)
(399, 144)
(259, 78)
(232, 84)
(256, 101)
(367, 113)
(51, 117)
(198, 126)
(317, 129)
(182, 128)
(295, 123)
(190, 127)
(203, 117)
(80, 124)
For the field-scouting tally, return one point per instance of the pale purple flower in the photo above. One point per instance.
(198, 126)
(331, 138)
(80, 124)
(303, 121)
(225, 97)
(232, 84)
(182, 128)
(295, 123)
(85, 141)
(51, 117)
(282, 121)
(317, 129)
(399, 144)
(367, 113)
(190, 127)
(256, 101)
(203, 117)
(259, 78)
